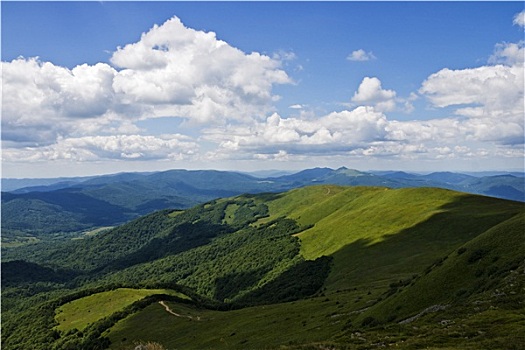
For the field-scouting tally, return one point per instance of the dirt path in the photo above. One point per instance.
(176, 314)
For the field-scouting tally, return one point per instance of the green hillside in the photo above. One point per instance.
(312, 268)
(79, 313)
(58, 209)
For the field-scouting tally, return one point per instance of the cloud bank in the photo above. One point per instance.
(225, 97)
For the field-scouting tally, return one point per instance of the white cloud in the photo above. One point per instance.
(368, 133)
(361, 56)
(335, 132)
(519, 19)
(282, 55)
(196, 75)
(491, 91)
(42, 101)
(370, 93)
(171, 71)
(115, 147)
(490, 97)
(89, 113)
(508, 54)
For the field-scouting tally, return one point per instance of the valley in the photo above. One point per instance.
(322, 266)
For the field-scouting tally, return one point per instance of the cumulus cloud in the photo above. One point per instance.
(196, 75)
(490, 97)
(508, 53)
(365, 132)
(334, 132)
(519, 19)
(370, 93)
(171, 71)
(41, 100)
(493, 87)
(361, 56)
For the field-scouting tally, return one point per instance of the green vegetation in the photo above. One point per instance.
(249, 328)
(62, 206)
(79, 313)
(477, 269)
(317, 267)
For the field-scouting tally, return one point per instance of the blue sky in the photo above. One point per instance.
(417, 86)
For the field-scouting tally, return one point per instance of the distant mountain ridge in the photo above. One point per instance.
(73, 204)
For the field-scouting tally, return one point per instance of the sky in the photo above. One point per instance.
(104, 87)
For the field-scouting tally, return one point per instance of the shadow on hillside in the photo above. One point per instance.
(411, 250)
(227, 287)
(183, 237)
(302, 280)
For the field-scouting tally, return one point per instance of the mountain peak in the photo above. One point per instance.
(349, 172)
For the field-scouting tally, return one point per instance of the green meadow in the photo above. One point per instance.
(81, 312)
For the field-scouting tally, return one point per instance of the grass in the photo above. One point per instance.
(478, 267)
(259, 327)
(378, 235)
(374, 214)
(326, 322)
(81, 312)
(97, 230)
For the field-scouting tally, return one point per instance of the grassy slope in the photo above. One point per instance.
(260, 327)
(81, 312)
(376, 236)
(472, 269)
(379, 235)
(480, 287)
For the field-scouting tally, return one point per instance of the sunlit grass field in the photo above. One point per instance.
(81, 312)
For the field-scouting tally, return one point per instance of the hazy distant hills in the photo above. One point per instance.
(316, 267)
(71, 204)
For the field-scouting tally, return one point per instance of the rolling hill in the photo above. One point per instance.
(321, 266)
(69, 205)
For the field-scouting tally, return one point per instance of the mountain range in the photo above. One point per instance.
(315, 267)
(50, 206)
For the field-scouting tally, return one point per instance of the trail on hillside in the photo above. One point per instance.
(176, 314)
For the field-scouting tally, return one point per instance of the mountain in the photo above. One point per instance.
(447, 177)
(72, 205)
(9, 185)
(113, 199)
(319, 266)
(507, 186)
(396, 174)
